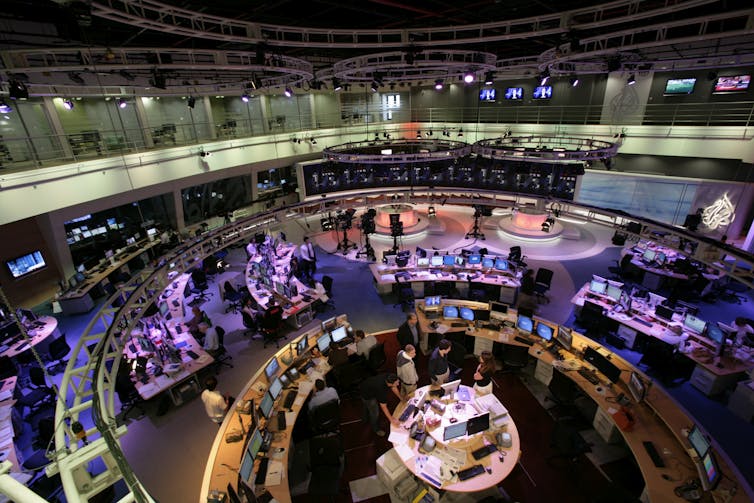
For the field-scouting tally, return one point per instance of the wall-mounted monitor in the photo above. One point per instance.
(542, 93)
(680, 86)
(488, 94)
(450, 312)
(26, 264)
(514, 93)
(732, 84)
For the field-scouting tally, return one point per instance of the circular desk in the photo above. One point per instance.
(498, 464)
(36, 336)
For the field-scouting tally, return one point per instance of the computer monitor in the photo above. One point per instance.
(454, 430)
(436, 260)
(664, 312)
(598, 287)
(279, 287)
(276, 387)
(501, 264)
(467, 314)
(498, 307)
(482, 314)
(625, 301)
(599, 278)
(478, 423)
(660, 258)
(422, 262)
(323, 342)
(26, 315)
(474, 259)
(287, 292)
(602, 364)
(545, 331)
(649, 256)
(450, 312)
(488, 262)
(656, 300)
(460, 260)
(448, 260)
(272, 368)
(164, 308)
(265, 407)
(432, 301)
(250, 454)
(636, 387)
(698, 441)
(329, 324)
(338, 334)
(565, 337)
(302, 345)
(694, 324)
(715, 333)
(710, 471)
(247, 466)
(524, 324)
(451, 387)
(613, 292)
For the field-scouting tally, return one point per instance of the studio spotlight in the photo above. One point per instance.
(418, 135)
(5, 108)
(445, 132)
(122, 103)
(574, 81)
(17, 90)
(293, 140)
(288, 92)
(375, 86)
(313, 140)
(489, 78)
(67, 104)
(631, 80)
(386, 135)
(245, 98)
(191, 102)
(460, 133)
(203, 153)
(336, 84)
(439, 84)
(127, 75)
(431, 211)
(468, 77)
(429, 133)
(376, 136)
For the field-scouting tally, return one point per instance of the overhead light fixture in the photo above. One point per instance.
(336, 84)
(418, 135)
(574, 81)
(191, 102)
(489, 78)
(429, 133)
(245, 98)
(288, 92)
(122, 103)
(5, 108)
(468, 77)
(460, 132)
(631, 80)
(67, 104)
(17, 90)
(313, 140)
(439, 84)
(431, 211)
(375, 86)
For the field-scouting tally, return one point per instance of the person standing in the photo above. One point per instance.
(439, 369)
(373, 392)
(308, 259)
(483, 374)
(406, 369)
(215, 403)
(364, 344)
(408, 332)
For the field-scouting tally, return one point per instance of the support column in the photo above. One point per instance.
(180, 224)
(210, 118)
(57, 128)
(264, 109)
(141, 116)
(53, 230)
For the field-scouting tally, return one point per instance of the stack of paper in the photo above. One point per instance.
(274, 473)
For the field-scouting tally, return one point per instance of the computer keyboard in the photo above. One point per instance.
(643, 322)
(281, 421)
(407, 413)
(459, 324)
(523, 340)
(484, 451)
(262, 471)
(290, 397)
(588, 375)
(652, 451)
(471, 472)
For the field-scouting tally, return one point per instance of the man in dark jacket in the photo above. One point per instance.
(408, 333)
(439, 371)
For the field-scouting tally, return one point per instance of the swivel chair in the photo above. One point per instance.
(221, 355)
(542, 282)
(249, 323)
(325, 418)
(326, 463)
(327, 282)
(199, 286)
(271, 325)
(233, 296)
(515, 357)
(348, 376)
(516, 256)
(127, 394)
(567, 442)
(39, 393)
(58, 350)
(405, 295)
(563, 393)
(377, 357)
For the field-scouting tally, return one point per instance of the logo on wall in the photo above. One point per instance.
(721, 213)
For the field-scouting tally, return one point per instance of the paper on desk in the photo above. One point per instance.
(290, 418)
(274, 473)
(299, 401)
(441, 329)
(404, 451)
(304, 388)
(432, 467)
(398, 437)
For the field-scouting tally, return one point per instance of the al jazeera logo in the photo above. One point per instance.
(719, 214)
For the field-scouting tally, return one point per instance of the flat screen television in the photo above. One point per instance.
(732, 84)
(26, 264)
(272, 368)
(448, 260)
(514, 93)
(478, 423)
(524, 324)
(450, 312)
(467, 314)
(501, 264)
(432, 301)
(602, 364)
(542, 93)
(597, 287)
(487, 94)
(680, 86)
(323, 342)
(565, 337)
(454, 430)
(698, 441)
(544, 331)
(488, 262)
(339, 334)
(302, 344)
(474, 258)
(636, 387)
(436, 260)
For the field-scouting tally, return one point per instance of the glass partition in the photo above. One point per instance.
(217, 198)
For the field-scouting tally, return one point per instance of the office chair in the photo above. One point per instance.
(348, 376)
(127, 394)
(563, 393)
(515, 357)
(221, 355)
(271, 325)
(327, 282)
(39, 393)
(326, 465)
(325, 418)
(233, 296)
(567, 442)
(542, 284)
(623, 269)
(405, 295)
(57, 351)
(45, 432)
(590, 317)
(199, 286)
(249, 323)
(516, 256)
(377, 357)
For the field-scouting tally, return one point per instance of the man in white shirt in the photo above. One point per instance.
(406, 370)
(308, 258)
(251, 249)
(215, 404)
(322, 395)
(743, 331)
(363, 343)
(211, 341)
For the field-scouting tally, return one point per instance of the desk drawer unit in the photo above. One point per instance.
(709, 383)
(543, 372)
(605, 426)
(741, 402)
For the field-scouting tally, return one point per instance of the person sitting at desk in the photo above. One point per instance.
(408, 332)
(363, 343)
(743, 331)
(373, 391)
(338, 355)
(322, 395)
(296, 270)
(215, 404)
(211, 342)
(199, 317)
(527, 299)
(483, 374)
(439, 369)
(406, 369)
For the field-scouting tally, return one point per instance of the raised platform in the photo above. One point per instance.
(507, 226)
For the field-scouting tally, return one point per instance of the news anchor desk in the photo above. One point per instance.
(44, 327)
(711, 375)
(456, 454)
(658, 418)
(386, 276)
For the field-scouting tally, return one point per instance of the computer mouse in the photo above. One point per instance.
(453, 420)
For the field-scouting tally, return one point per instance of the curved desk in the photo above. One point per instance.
(457, 453)
(48, 326)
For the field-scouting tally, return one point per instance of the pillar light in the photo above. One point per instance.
(439, 84)
(67, 104)
(245, 98)
(574, 81)
(468, 77)
(631, 80)
(288, 92)
(122, 103)
(489, 78)
(336, 84)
